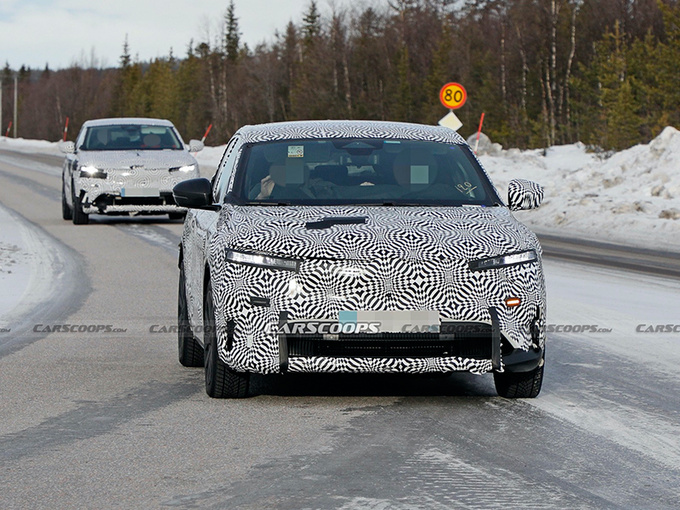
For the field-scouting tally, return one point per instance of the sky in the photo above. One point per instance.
(64, 32)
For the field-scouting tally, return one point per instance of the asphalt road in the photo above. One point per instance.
(110, 419)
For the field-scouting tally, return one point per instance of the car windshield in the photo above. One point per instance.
(130, 137)
(361, 171)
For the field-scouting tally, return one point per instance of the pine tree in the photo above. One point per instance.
(668, 64)
(432, 109)
(24, 73)
(232, 34)
(129, 76)
(619, 122)
(404, 99)
(311, 24)
(125, 57)
(622, 119)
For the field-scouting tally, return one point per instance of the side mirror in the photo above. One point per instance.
(195, 194)
(196, 146)
(67, 147)
(523, 195)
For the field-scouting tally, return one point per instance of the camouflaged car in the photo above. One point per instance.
(350, 246)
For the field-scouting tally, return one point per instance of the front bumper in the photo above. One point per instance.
(254, 303)
(108, 203)
(113, 195)
(459, 346)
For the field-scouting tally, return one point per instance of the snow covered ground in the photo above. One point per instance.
(15, 262)
(33, 267)
(630, 198)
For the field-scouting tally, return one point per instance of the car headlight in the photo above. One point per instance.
(92, 172)
(184, 169)
(253, 259)
(511, 259)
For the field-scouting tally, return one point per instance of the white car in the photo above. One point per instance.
(125, 166)
(356, 246)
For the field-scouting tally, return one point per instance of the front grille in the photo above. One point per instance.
(473, 345)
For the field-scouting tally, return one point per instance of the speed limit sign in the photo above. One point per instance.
(453, 95)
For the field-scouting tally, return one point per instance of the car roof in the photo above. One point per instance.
(117, 121)
(347, 129)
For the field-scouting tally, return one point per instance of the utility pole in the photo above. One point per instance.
(1, 106)
(16, 97)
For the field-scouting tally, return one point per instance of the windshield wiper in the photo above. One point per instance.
(329, 221)
(255, 202)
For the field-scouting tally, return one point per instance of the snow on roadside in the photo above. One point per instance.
(208, 160)
(15, 264)
(631, 198)
(29, 146)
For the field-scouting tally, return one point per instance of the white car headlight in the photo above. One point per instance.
(254, 259)
(511, 259)
(184, 169)
(92, 172)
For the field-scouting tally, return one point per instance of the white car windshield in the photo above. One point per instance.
(130, 137)
(361, 171)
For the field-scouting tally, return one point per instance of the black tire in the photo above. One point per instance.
(176, 215)
(66, 212)
(519, 384)
(190, 351)
(220, 380)
(79, 217)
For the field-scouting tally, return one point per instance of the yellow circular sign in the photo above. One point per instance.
(453, 95)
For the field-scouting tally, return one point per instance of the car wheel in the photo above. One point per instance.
(220, 380)
(190, 351)
(176, 215)
(79, 217)
(519, 384)
(66, 212)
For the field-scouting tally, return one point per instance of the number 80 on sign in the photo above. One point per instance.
(453, 95)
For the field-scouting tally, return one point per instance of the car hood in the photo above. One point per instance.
(152, 159)
(413, 232)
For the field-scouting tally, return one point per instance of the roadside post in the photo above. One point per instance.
(206, 133)
(479, 131)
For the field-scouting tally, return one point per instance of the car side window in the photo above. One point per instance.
(225, 169)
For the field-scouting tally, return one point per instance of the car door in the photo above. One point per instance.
(199, 227)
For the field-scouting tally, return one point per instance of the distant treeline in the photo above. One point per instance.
(605, 72)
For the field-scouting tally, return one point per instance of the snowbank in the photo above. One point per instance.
(29, 146)
(630, 198)
(15, 263)
(208, 159)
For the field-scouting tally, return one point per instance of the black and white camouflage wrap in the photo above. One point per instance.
(401, 259)
(523, 194)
